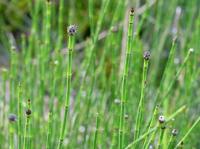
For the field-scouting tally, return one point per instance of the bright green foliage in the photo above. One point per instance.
(107, 74)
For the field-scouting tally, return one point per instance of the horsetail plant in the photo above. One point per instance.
(110, 79)
(146, 57)
(161, 120)
(96, 131)
(26, 144)
(172, 140)
(19, 122)
(188, 132)
(60, 25)
(49, 132)
(190, 51)
(166, 72)
(13, 74)
(94, 40)
(12, 119)
(152, 121)
(124, 77)
(71, 39)
(155, 128)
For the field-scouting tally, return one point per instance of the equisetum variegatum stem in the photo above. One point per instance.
(27, 126)
(125, 77)
(71, 32)
(19, 113)
(140, 106)
(180, 110)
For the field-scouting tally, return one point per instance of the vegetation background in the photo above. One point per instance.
(112, 96)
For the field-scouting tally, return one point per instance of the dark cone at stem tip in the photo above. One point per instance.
(71, 30)
(12, 117)
(174, 132)
(28, 112)
(161, 119)
(146, 55)
(132, 11)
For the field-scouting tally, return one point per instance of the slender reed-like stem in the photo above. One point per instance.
(150, 126)
(96, 131)
(11, 136)
(140, 107)
(60, 25)
(91, 18)
(48, 143)
(92, 45)
(71, 40)
(172, 140)
(125, 77)
(13, 74)
(27, 126)
(181, 109)
(188, 132)
(162, 130)
(12, 119)
(19, 113)
(170, 61)
(190, 51)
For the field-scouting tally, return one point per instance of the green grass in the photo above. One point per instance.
(109, 95)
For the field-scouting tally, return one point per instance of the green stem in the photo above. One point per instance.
(188, 132)
(91, 18)
(27, 128)
(19, 124)
(150, 126)
(89, 60)
(96, 131)
(160, 142)
(60, 25)
(48, 145)
(124, 78)
(140, 107)
(177, 74)
(156, 127)
(69, 75)
(11, 136)
(171, 142)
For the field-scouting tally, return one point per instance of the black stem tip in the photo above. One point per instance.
(174, 132)
(146, 55)
(12, 117)
(28, 112)
(71, 30)
(132, 11)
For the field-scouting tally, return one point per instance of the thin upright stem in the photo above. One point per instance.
(27, 126)
(96, 131)
(150, 126)
(140, 107)
(71, 38)
(19, 124)
(160, 142)
(172, 142)
(125, 77)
